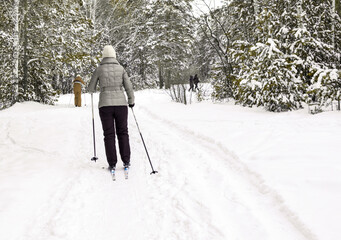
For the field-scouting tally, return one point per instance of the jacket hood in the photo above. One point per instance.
(108, 51)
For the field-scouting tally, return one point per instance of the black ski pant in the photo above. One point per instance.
(115, 121)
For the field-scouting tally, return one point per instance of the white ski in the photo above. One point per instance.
(126, 171)
(113, 175)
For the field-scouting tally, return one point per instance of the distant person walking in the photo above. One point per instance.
(196, 81)
(113, 81)
(77, 90)
(191, 85)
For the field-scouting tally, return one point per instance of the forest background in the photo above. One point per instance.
(276, 54)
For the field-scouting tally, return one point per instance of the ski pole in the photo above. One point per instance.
(153, 171)
(93, 129)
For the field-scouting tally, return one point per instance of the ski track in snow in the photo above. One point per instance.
(85, 205)
(240, 188)
(215, 197)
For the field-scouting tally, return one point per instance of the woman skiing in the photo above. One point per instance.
(113, 110)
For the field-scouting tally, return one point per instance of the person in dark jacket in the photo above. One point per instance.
(77, 89)
(191, 83)
(196, 81)
(113, 81)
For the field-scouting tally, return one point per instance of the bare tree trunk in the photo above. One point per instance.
(142, 67)
(184, 93)
(160, 76)
(168, 79)
(333, 25)
(256, 7)
(15, 77)
(25, 63)
(93, 12)
(300, 12)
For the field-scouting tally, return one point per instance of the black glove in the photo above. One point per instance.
(131, 105)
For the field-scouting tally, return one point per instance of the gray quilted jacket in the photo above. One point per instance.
(112, 79)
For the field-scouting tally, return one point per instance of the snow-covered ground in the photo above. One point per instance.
(225, 172)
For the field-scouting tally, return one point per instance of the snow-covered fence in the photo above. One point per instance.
(178, 93)
(316, 107)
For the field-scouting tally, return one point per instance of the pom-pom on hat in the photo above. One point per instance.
(109, 51)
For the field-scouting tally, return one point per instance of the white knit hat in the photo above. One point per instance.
(109, 51)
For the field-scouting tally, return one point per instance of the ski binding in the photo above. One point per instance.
(113, 175)
(126, 171)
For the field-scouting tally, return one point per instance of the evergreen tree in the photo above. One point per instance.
(171, 40)
(203, 56)
(6, 53)
(270, 80)
(124, 24)
(56, 48)
(314, 45)
(136, 52)
(293, 54)
(268, 53)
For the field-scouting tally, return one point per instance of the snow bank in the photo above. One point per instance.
(295, 153)
(225, 172)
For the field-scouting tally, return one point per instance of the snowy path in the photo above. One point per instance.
(54, 191)
(50, 190)
(215, 196)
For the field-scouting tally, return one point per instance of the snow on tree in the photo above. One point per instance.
(269, 53)
(313, 43)
(135, 52)
(171, 40)
(293, 47)
(271, 80)
(267, 75)
(58, 48)
(15, 77)
(54, 45)
(215, 35)
(6, 53)
(124, 24)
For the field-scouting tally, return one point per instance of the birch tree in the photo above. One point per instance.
(16, 49)
(6, 53)
(171, 39)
